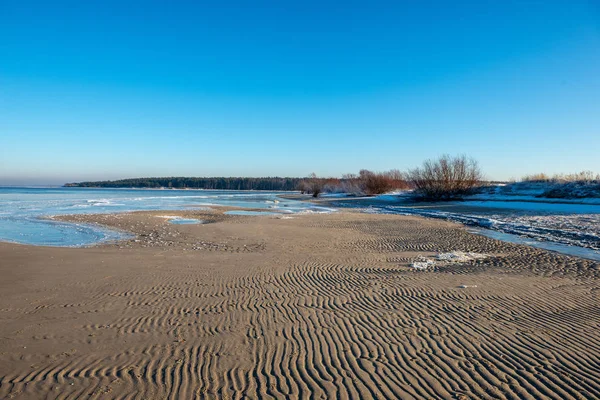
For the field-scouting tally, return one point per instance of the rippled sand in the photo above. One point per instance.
(322, 306)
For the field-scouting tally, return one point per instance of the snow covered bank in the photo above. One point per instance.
(538, 192)
(424, 263)
(571, 192)
(571, 229)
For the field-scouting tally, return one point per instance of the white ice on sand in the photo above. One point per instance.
(177, 220)
(423, 263)
(459, 256)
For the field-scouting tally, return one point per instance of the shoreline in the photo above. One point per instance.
(219, 213)
(552, 238)
(360, 204)
(559, 248)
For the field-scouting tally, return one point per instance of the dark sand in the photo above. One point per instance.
(321, 306)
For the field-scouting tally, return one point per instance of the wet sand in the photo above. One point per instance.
(320, 306)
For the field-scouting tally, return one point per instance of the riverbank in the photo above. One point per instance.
(568, 228)
(293, 306)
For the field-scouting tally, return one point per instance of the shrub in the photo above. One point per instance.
(302, 187)
(581, 177)
(350, 183)
(374, 183)
(536, 178)
(445, 178)
(312, 185)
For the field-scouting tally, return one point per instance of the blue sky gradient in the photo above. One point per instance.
(115, 89)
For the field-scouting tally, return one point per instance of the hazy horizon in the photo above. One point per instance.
(108, 91)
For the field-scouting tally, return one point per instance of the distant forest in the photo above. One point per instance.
(268, 183)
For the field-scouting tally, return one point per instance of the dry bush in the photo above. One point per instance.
(315, 185)
(312, 185)
(350, 183)
(374, 183)
(584, 184)
(302, 187)
(332, 185)
(582, 177)
(541, 177)
(446, 178)
(397, 179)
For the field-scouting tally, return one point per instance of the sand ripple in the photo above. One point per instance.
(328, 308)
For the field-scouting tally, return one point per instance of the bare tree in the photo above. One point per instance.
(350, 183)
(381, 182)
(446, 177)
(398, 176)
(312, 185)
(302, 187)
(374, 183)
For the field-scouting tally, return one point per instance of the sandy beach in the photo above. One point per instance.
(308, 306)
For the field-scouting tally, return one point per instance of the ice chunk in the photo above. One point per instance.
(459, 256)
(423, 264)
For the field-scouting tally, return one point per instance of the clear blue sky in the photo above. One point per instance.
(114, 89)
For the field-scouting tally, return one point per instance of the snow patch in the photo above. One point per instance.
(424, 263)
(459, 256)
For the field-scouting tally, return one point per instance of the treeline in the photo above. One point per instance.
(219, 183)
(444, 178)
